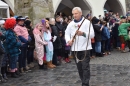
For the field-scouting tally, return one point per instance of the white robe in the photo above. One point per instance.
(81, 42)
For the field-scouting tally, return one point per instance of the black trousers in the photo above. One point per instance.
(83, 66)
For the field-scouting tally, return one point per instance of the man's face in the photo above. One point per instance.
(76, 14)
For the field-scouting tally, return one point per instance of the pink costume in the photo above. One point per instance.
(39, 44)
(21, 31)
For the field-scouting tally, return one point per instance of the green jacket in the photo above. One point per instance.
(123, 30)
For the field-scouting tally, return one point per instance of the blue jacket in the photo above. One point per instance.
(12, 43)
(105, 33)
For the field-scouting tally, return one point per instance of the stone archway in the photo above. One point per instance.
(114, 5)
(66, 6)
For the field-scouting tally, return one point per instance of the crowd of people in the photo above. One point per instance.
(111, 32)
(20, 43)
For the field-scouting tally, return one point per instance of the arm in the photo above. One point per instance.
(13, 40)
(17, 31)
(54, 29)
(39, 39)
(97, 29)
(22, 39)
(92, 34)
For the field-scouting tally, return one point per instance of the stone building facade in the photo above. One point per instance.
(35, 9)
(38, 9)
(127, 5)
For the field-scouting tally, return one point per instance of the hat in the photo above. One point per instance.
(10, 23)
(123, 17)
(26, 17)
(19, 18)
(96, 20)
(2, 22)
(27, 22)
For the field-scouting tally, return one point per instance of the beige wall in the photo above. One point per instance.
(97, 6)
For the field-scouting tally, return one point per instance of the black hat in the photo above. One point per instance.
(19, 18)
(27, 23)
(123, 17)
(96, 20)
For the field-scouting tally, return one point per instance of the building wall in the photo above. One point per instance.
(10, 3)
(96, 6)
(35, 9)
(127, 5)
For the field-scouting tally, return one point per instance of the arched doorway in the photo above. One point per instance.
(115, 6)
(66, 6)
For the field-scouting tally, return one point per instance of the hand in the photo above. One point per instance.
(79, 33)
(129, 28)
(45, 43)
(70, 43)
(102, 26)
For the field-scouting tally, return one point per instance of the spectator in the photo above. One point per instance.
(22, 32)
(31, 44)
(12, 46)
(49, 48)
(56, 41)
(39, 44)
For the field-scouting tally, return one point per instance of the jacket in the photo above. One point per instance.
(55, 32)
(123, 30)
(98, 36)
(12, 43)
(105, 33)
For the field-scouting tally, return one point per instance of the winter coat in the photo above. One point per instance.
(23, 35)
(115, 32)
(55, 32)
(98, 36)
(123, 30)
(105, 33)
(12, 43)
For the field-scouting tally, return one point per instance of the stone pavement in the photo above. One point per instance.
(112, 70)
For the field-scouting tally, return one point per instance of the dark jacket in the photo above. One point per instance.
(2, 37)
(31, 43)
(98, 35)
(12, 43)
(115, 31)
(55, 32)
(60, 27)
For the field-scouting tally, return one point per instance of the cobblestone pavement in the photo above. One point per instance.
(112, 70)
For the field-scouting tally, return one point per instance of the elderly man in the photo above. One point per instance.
(81, 45)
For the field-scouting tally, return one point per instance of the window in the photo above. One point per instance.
(3, 12)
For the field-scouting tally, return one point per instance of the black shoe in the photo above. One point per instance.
(2, 79)
(13, 75)
(18, 73)
(5, 76)
(45, 66)
(97, 54)
(101, 55)
(42, 67)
